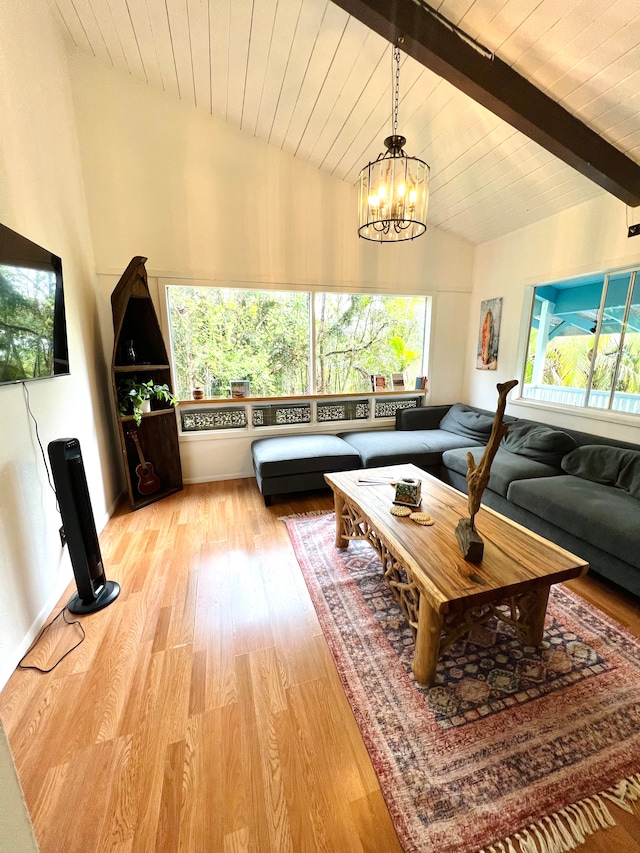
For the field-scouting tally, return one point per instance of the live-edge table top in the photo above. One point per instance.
(515, 559)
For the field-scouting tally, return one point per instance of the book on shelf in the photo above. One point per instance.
(421, 383)
(378, 382)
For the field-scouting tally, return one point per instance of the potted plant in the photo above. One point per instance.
(133, 395)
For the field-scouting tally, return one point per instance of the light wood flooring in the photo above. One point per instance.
(203, 712)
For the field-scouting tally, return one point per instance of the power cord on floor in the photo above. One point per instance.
(39, 637)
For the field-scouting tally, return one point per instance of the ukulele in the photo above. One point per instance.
(148, 481)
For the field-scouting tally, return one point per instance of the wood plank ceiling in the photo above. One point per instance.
(305, 76)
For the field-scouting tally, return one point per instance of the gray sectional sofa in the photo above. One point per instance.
(581, 491)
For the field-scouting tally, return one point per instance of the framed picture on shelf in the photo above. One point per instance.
(397, 381)
(240, 388)
(378, 382)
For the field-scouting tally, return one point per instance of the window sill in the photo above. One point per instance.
(217, 401)
(586, 412)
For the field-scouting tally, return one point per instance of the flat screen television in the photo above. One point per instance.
(33, 332)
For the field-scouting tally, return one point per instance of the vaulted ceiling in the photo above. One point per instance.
(313, 80)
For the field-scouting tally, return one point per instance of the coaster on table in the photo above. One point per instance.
(400, 510)
(421, 518)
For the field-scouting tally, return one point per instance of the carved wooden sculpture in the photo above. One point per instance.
(470, 541)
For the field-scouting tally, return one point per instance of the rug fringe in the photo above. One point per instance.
(309, 514)
(567, 829)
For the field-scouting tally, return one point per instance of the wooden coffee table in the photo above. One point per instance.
(441, 595)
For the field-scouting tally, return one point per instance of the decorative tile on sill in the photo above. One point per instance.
(281, 415)
(227, 418)
(342, 410)
(388, 408)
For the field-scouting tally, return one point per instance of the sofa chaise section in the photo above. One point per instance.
(298, 463)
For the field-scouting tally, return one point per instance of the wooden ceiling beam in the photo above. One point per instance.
(494, 84)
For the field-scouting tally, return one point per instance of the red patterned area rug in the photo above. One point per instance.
(514, 749)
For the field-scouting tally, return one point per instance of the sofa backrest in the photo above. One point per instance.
(423, 417)
(582, 438)
(429, 417)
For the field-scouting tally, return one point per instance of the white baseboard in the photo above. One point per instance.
(216, 478)
(9, 664)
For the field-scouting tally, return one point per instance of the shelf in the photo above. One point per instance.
(145, 415)
(138, 368)
(153, 443)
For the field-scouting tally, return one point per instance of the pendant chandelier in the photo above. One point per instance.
(394, 189)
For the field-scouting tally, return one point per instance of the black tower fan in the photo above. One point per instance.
(67, 467)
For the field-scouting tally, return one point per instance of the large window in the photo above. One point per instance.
(584, 343)
(290, 343)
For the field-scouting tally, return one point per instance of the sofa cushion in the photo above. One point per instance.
(423, 447)
(463, 420)
(600, 515)
(610, 466)
(505, 467)
(280, 456)
(539, 442)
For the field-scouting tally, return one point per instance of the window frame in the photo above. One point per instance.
(584, 409)
(164, 283)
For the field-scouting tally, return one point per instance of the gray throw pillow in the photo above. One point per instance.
(611, 466)
(465, 421)
(629, 476)
(539, 442)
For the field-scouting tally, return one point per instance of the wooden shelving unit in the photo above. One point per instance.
(135, 319)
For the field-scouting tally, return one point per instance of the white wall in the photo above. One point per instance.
(588, 238)
(206, 202)
(42, 197)
(203, 200)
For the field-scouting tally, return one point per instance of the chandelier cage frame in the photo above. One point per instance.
(394, 188)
